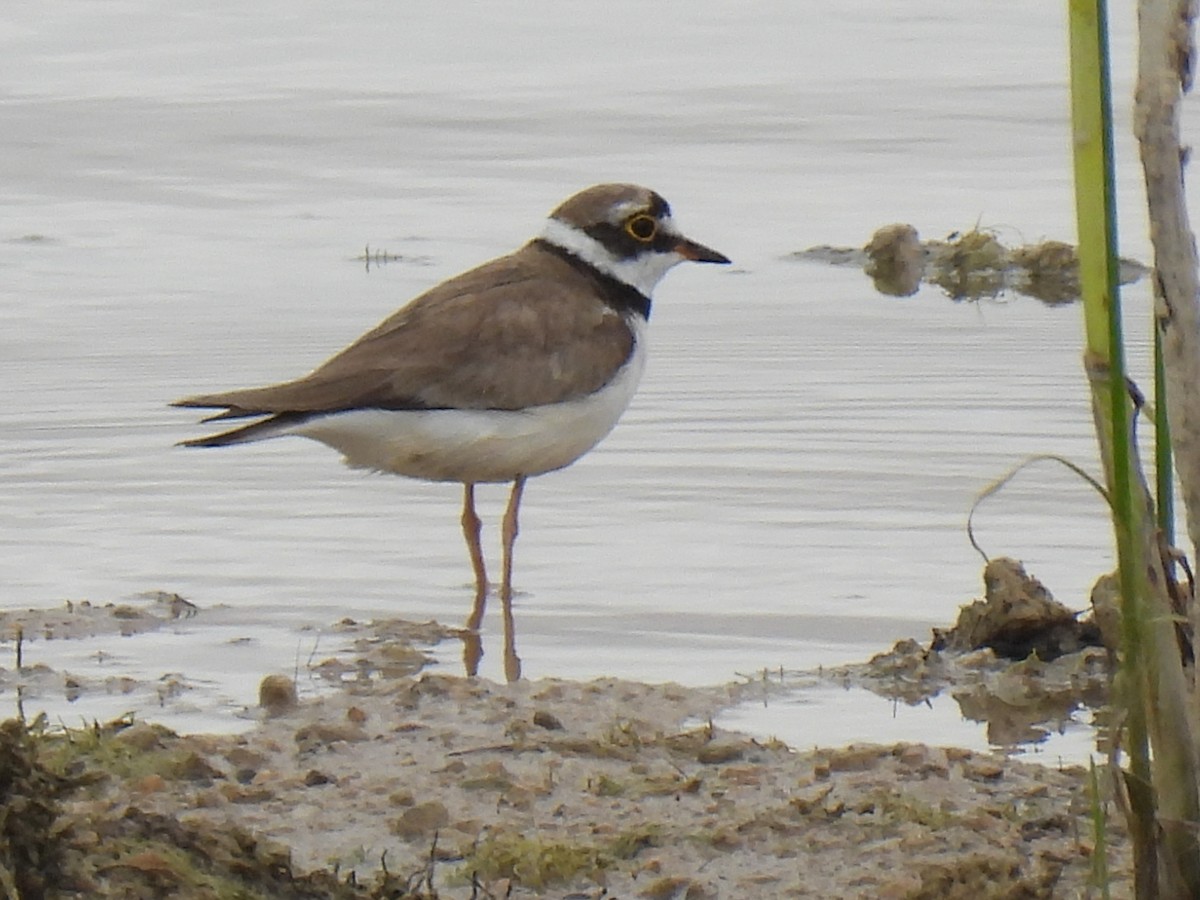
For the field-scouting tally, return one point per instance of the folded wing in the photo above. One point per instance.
(517, 332)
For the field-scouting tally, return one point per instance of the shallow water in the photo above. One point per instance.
(187, 191)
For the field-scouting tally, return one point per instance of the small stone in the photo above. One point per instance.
(421, 820)
(313, 778)
(833, 806)
(552, 691)
(194, 767)
(854, 758)
(151, 784)
(322, 734)
(727, 840)
(983, 770)
(716, 752)
(235, 793)
(744, 775)
(810, 799)
(491, 776)
(469, 828)
(923, 760)
(245, 758)
(144, 737)
(277, 694)
(519, 797)
(666, 888)
(209, 799)
(546, 720)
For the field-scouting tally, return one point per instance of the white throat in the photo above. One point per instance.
(640, 272)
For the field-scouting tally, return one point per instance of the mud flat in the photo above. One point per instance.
(403, 782)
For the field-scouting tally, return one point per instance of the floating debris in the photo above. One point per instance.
(378, 257)
(969, 265)
(896, 260)
(1050, 271)
(32, 238)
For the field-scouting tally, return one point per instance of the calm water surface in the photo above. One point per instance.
(185, 193)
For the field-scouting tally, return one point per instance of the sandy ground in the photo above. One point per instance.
(463, 787)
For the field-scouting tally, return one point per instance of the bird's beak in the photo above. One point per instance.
(699, 253)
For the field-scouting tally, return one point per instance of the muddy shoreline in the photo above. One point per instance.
(404, 782)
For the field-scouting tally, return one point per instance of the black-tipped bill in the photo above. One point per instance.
(699, 253)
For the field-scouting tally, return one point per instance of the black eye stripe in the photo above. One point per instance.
(623, 245)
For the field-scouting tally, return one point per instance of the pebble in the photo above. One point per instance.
(421, 820)
(546, 720)
(854, 758)
(277, 694)
(322, 734)
(716, 752)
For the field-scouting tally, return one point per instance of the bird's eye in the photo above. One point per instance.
(641, 227)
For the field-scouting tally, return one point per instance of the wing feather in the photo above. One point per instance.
(523, 330)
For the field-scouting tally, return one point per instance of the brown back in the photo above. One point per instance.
(523, 330)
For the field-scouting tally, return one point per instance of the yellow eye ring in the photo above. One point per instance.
(641, 227)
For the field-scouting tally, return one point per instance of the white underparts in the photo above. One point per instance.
(641, 272)
(471, 445)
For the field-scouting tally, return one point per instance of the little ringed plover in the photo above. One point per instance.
(512, 369)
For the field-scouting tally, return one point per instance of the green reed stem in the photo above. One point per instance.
(1095, 207)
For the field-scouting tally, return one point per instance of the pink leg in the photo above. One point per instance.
(471, 527)
(509, 533)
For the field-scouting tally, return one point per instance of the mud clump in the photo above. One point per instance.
(1017, 661)
(1048, 271)
(895, 260)
(969, 265)
(1018, 618)
(277, 695)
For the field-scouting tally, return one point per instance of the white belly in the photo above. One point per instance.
(477, 445)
